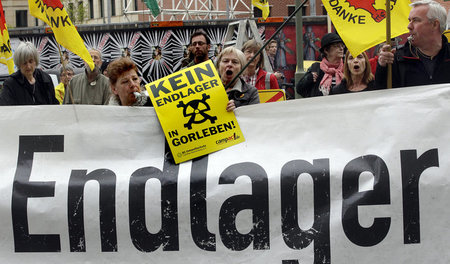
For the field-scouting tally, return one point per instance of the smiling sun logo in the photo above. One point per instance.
(377, 14)
(53, 4)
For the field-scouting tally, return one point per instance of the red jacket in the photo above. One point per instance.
(260, 83)
(373, 64)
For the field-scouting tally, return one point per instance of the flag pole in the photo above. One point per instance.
(388, 41)
(328, 24)
(266, 43)
(63, 64)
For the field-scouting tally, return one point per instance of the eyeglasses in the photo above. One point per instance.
(200, 43)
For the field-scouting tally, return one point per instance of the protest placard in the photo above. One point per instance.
(191, 107)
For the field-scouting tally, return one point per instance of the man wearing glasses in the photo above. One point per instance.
(199, 46)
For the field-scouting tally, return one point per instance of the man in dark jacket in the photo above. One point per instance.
(29, 85)
(200, 45)
(425, 59)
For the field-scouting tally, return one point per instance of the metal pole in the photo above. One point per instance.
(299, 73)
(388, 41)
(267, 42)
(210, 8)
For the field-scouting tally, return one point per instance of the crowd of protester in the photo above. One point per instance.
(424, 59)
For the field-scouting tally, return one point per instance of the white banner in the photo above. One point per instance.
(358, 178)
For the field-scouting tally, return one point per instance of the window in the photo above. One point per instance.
(21, 18)
(113, 7)
(81, 12)
(136, 7)
(71, 12)
(291, 9)
(102, 14)
(91, 9)
(258, 12)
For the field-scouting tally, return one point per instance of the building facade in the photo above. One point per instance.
(17, 14)
(125, 11)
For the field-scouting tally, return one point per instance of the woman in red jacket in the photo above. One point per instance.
(254, 74)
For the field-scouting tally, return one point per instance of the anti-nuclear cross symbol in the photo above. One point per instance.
(196, 108)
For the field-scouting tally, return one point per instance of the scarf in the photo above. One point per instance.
(330, 70)
(141, 100)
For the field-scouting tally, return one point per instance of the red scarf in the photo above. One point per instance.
(331, 70)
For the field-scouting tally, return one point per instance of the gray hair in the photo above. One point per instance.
(435, 12)
(66, 68)
(24, 52)
(98, 51)
(231, 50)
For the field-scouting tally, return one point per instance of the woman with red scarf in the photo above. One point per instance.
(324, 75)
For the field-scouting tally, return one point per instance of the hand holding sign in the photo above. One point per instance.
(190, 105)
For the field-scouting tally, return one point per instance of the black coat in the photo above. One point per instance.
(409, 70)
(18, 91)
(342, 87)
(306, 87)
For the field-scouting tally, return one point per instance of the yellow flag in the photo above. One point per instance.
(52, 12)
(263, 5)
(362, 23)
(6, 52)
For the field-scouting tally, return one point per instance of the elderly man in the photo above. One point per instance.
(89, 87)
(425, 59)
(199, 46)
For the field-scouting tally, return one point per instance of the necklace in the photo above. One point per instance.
(424, 55)
(418, 53)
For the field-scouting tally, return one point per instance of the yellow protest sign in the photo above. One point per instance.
(191, 107)
(271, 95)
